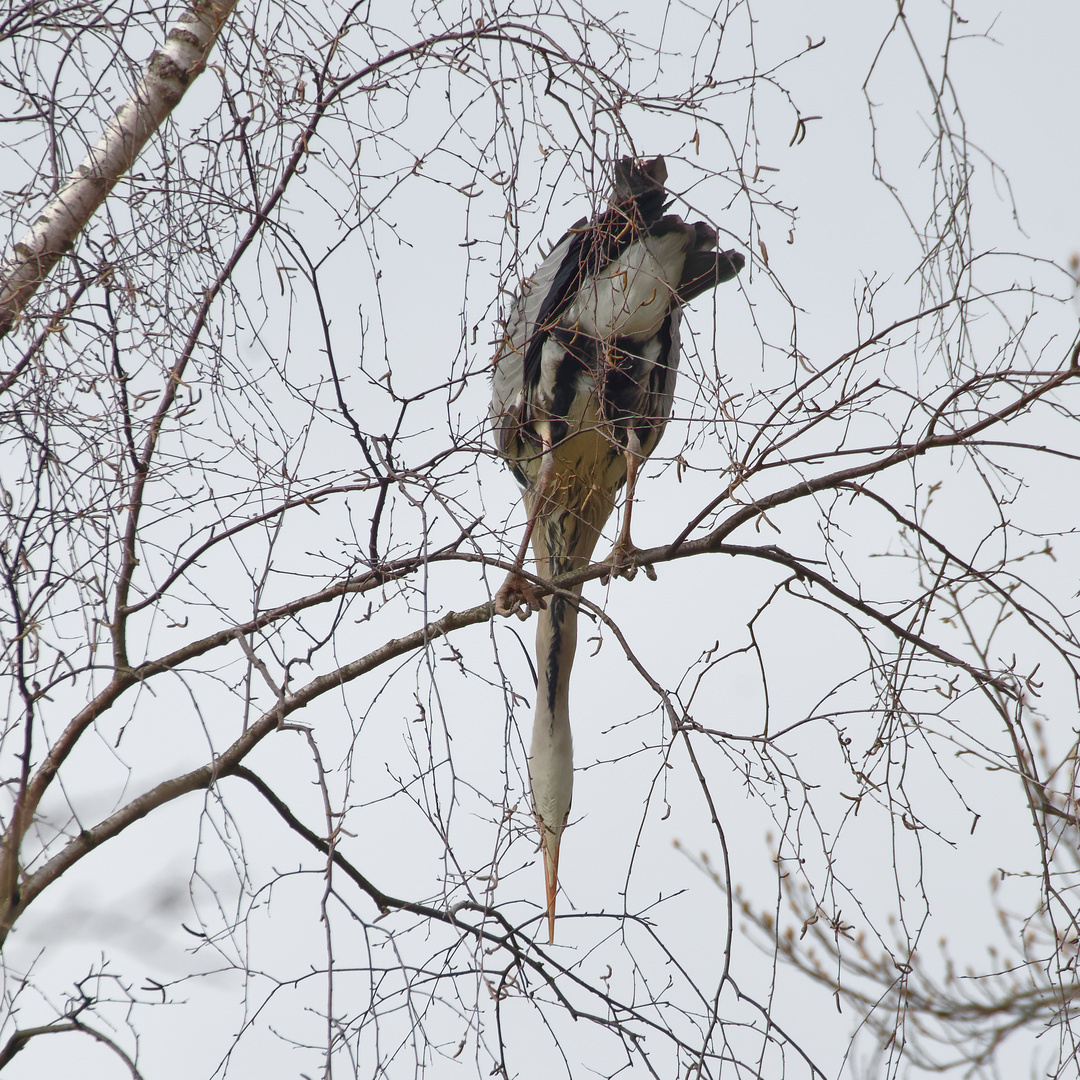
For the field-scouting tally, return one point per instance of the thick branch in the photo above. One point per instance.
(227, 762)
(169, 73)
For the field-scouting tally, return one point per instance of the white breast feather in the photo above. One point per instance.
(633, 294)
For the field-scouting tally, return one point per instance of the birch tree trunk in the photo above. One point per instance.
(169, 73)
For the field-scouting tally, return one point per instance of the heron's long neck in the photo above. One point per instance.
(556, 642)
(562, 541)
(551, 756)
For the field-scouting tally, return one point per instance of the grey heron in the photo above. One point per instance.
(583, 386)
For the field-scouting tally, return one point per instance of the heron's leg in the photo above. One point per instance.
(518, 595)
(624, 549)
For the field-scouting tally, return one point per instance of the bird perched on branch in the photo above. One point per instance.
(582, 390)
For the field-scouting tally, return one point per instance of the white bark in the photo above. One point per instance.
(169, 72)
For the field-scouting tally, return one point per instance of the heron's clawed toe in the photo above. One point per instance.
(620, 563)
(517, 597)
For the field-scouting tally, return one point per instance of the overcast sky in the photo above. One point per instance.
(1019, 97)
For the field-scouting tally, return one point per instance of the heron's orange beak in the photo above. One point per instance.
(550, 844)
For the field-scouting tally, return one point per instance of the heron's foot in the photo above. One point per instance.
(620, 563)
(517, 597)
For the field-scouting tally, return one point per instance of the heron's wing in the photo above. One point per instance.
(662, 381)
(637, 203)
(586, 248)
(548, 292)
(704, 269)
(545, 295)
(518, 351)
